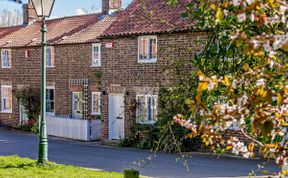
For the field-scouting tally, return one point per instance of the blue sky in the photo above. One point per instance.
(64, 7)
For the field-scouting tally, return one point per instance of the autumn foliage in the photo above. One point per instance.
(253, 99)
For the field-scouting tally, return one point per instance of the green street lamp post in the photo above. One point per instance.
(43, 9)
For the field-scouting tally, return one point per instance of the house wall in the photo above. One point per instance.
(123, 74)
(71, 62)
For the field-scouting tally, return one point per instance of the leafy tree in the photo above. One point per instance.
(30, 100)
(10, 17)
(242, 77)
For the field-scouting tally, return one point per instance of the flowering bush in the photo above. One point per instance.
(251, 98)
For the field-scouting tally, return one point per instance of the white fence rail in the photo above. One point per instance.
(77, 129)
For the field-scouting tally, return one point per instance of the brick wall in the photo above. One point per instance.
(123, 74)
(71, 62)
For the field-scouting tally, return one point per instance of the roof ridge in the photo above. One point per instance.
(15, 26)
(74, 16)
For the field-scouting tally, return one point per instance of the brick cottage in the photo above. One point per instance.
(73, 61)
(99, 65)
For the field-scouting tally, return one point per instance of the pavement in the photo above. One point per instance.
(95, 156)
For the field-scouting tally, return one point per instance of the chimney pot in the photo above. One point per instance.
(109, 6)
(29, 13)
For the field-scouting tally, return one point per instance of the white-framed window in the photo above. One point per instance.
(96, 55)
(50, 100)
(6, 98)
(50, 61)
(6, 58)
(146, 109)
(96, 103)
(147, 49)
(77, 104)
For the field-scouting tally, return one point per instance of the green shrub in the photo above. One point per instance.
(30, 99)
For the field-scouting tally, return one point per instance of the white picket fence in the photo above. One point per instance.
(76, 129)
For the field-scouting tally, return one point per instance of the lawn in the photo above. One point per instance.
(16, 167)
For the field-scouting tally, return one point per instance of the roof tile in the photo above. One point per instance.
(75, 29)
(150, 16)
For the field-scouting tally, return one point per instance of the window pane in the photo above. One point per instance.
(48, 57)
(50, 100)
(149, 108)
(153, 48)
(9, 58)
(7, 98)
(95, 52)
(95, 103)
(141, 109)
(143, 48)
(78, 102)
(6, 58)
(154, 108)
(96, 55)
(146, 108)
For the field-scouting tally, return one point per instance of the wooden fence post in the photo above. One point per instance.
(131, 173)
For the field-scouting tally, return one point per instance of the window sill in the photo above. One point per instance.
(147, 122)
(96, 66)
(7, 112)
(95, 114)
(147, 61)
(5, 67)
(50, 67)
(50, 114)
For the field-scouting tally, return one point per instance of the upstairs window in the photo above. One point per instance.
(96, 55)
(6, 98)
(147, 49)
(50, 100)
(50, 62)
(6, 58)
(96, 103)
(146, 109)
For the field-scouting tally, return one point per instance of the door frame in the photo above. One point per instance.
(109, 120)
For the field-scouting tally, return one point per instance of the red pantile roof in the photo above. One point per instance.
(75, 29)
(150, 16)
(91, 33)
(7, 30)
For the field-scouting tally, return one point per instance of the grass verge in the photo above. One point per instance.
(16, 167)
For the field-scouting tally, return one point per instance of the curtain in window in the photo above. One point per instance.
(96, 103)
(146, 108)
(49, 59)
(6, 58)
(7, 98)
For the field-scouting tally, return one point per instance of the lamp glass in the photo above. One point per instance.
(43, 7)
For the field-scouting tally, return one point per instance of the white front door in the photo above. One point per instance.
(116, 116)
(23, 117)
(77, 105)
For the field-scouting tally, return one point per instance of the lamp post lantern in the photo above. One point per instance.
(43, 9)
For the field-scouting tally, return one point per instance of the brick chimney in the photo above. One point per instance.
(110, 6)
(29, 13)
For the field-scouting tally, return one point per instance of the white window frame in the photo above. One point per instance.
(2, 99)
(99, 55)
(76, 115)
(50, 88)
(146, 106)
(99, 103)
(148, 60)
(51, 56)
(2, 58)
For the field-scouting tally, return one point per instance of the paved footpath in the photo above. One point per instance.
(94, 156)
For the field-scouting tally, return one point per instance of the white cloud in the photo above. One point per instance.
(80, 11)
